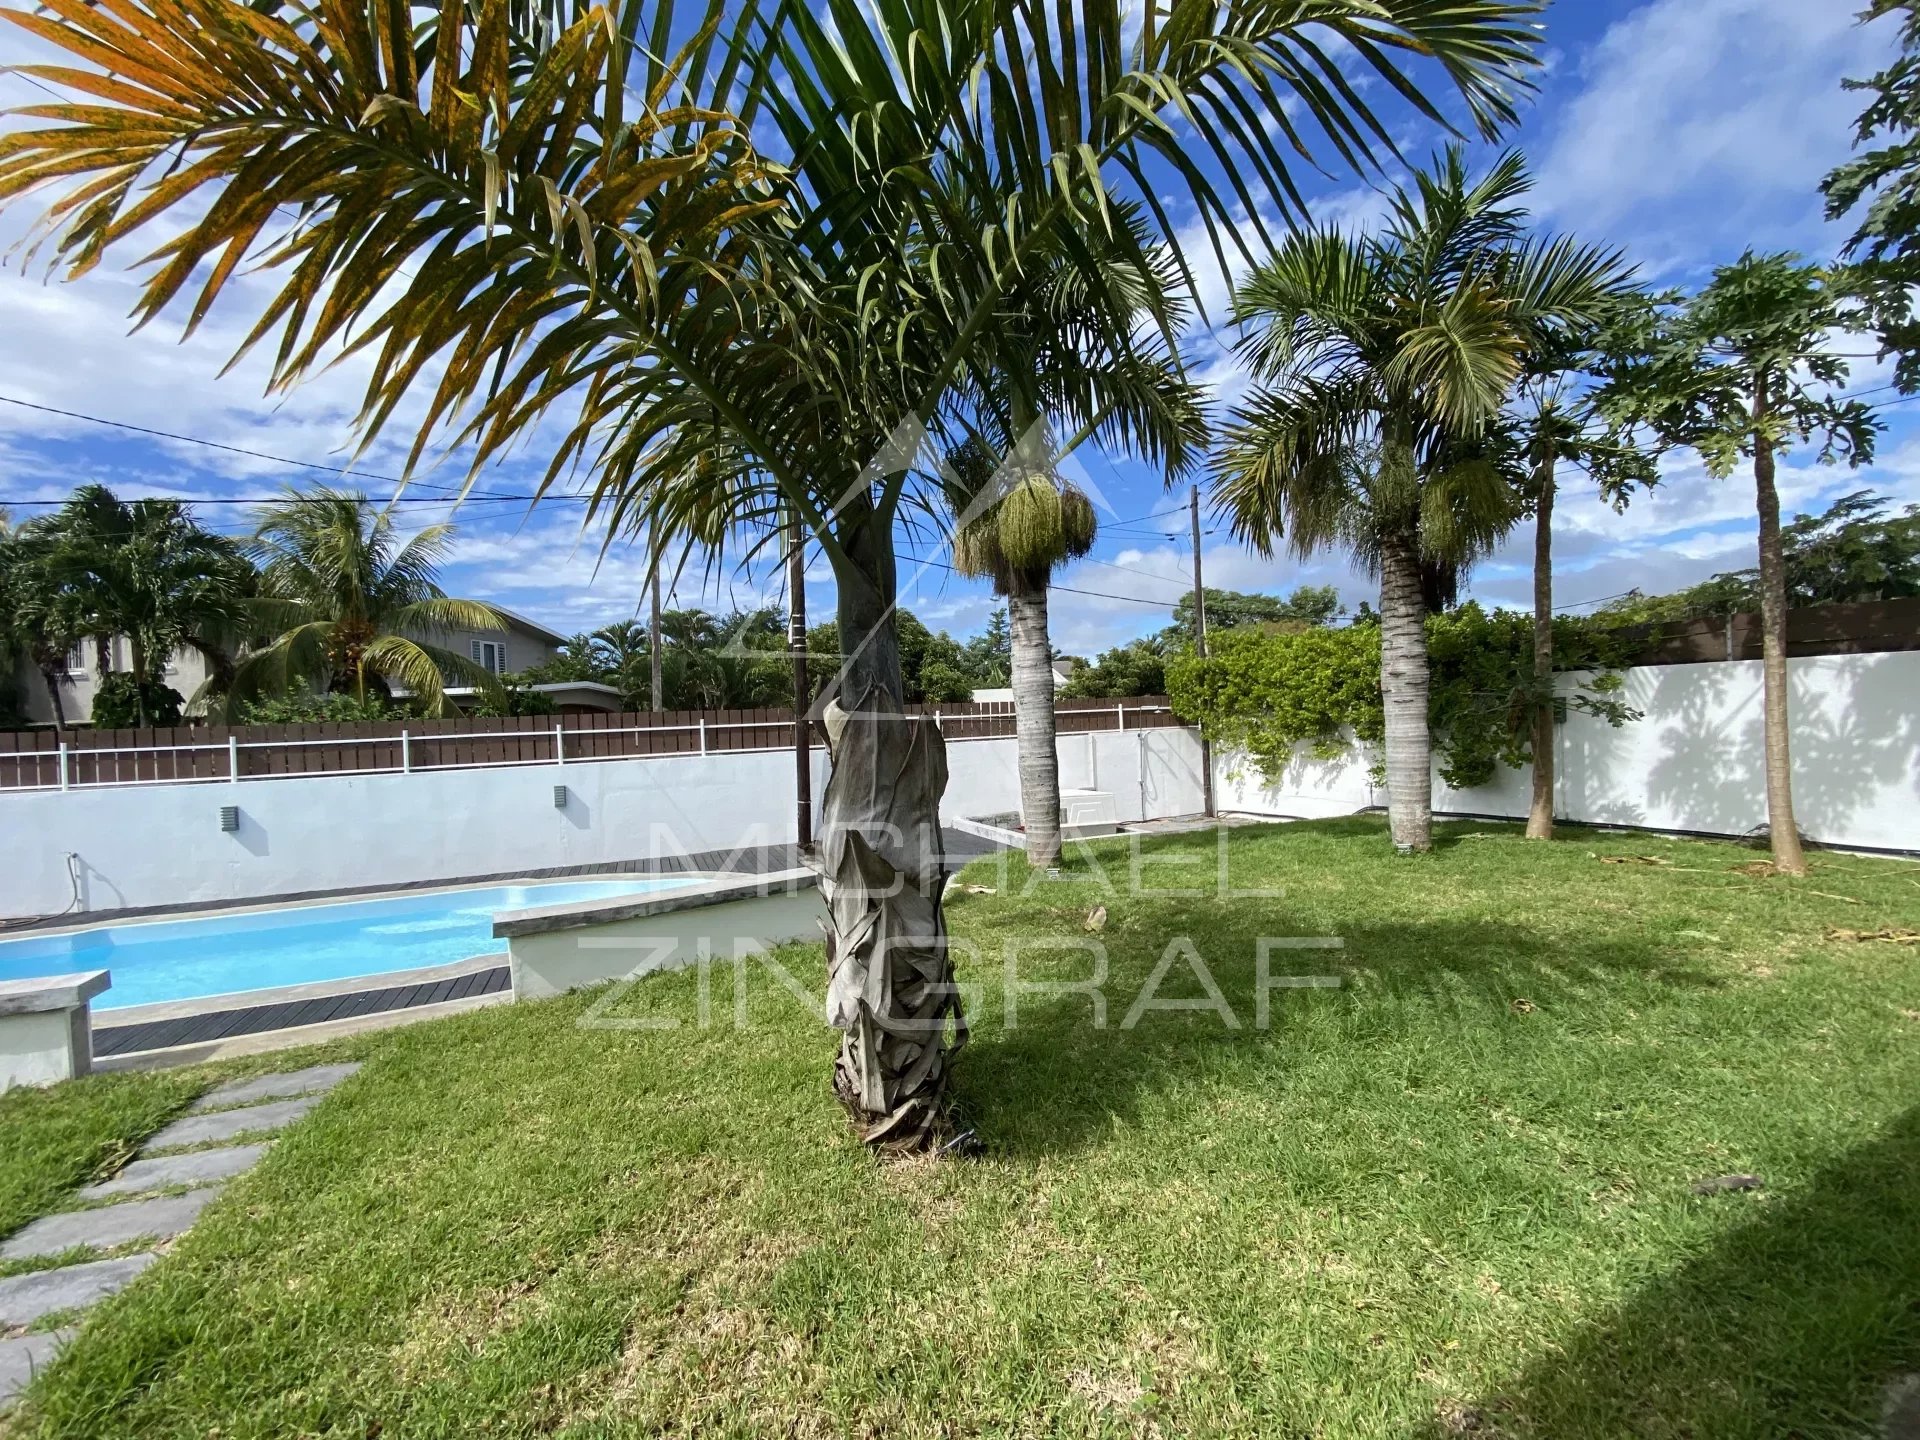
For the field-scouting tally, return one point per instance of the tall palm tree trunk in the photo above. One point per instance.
(1039, 756)
(1403, 688)
(1782, 829)
(890, 987)
(1540, 811)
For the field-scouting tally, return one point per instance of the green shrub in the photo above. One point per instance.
(117, 703)
(304, 707)
(1267, 692)
(518, 699)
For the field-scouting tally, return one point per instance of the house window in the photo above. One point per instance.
(491, 656)
(77, 659)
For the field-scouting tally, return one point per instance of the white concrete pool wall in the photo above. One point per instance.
(556, 948)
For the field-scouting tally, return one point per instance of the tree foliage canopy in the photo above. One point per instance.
(1691, 368)
(1271, 692)
(1853, 551)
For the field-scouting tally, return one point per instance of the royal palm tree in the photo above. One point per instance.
(631, 264)
(348, 604)
(1385, 362)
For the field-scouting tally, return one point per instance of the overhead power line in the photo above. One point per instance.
(1069, 589)
(450, 492)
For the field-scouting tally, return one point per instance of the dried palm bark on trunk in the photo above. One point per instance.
(890, 985)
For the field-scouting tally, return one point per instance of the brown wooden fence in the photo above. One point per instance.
(1868, 628)
(41, 759)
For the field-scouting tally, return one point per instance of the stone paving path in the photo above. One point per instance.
(256, 1107)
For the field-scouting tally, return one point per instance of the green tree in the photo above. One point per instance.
(1137, 668)
(1557, 421)
(1746, 370)
(1885, 178)
(1851, 552)
(41, 621)
(1015, 520)
(1385, 362)
(725, 338)
(121, 702)
(989, 655)
(143, 570)
(348, 606)
(1226, 609)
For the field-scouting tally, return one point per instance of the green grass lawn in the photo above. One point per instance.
(1451, 1195)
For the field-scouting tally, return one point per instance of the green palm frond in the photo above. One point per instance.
(438, 612)
(1291, 458)
(296, 658)
(513, 212)
(1460, 360)
(423, 669)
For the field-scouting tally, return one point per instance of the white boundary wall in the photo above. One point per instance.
(1695, 762)
(157, 845)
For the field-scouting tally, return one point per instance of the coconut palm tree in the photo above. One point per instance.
(347, 603)
(1385, 362)
(755, 259)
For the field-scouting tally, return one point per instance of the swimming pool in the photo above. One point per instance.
(184, 959)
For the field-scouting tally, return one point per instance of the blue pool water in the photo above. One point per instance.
(220, 954)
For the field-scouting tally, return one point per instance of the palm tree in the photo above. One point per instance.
(40, 620)
(1015, 521)
(1017, 541)
(1559, 423)
(1386, 361)
(141, 569)
(785, 327)
(347, 604)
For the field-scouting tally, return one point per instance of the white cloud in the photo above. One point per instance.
(1705, 126)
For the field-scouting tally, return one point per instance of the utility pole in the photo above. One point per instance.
(653, 642)
(1200, 643)
(802, 699)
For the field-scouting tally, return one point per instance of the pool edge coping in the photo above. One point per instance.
(740, 860)
(290, 994)
(712, 890)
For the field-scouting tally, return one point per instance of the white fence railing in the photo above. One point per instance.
(408, 752)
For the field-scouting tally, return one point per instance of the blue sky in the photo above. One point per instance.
(1681, 130)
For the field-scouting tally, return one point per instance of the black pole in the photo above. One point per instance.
(797, 648)
(1200, 644)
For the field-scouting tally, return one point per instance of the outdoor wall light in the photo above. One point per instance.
(559, 797)
(229, 818)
